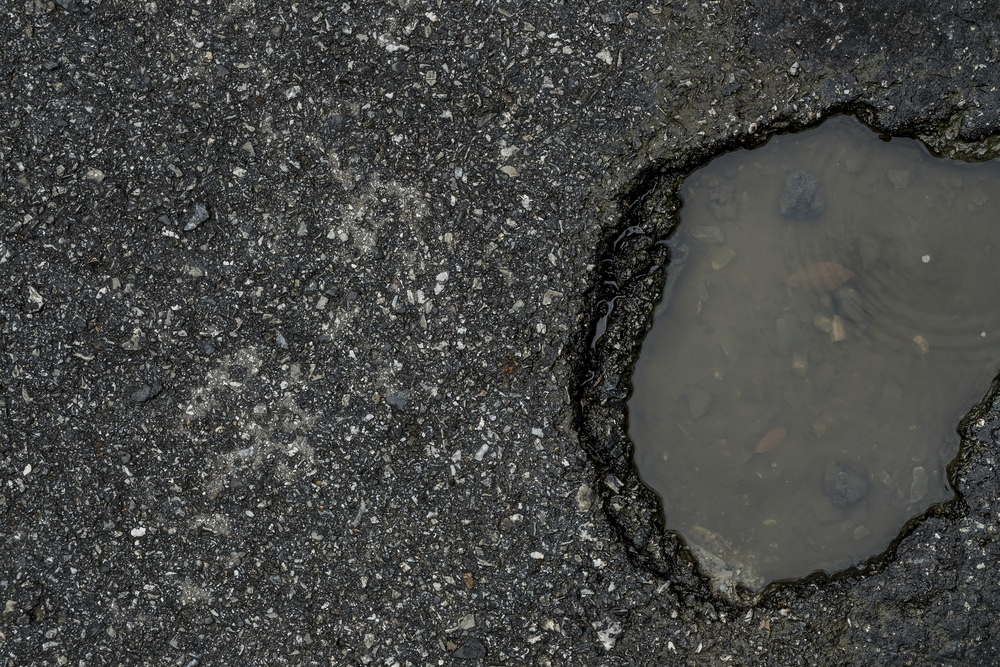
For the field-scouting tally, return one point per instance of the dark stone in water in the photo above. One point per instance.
(799, 200)
(844, 486)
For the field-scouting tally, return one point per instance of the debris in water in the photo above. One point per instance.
(772, 439)
(922, 343)
(820, 277)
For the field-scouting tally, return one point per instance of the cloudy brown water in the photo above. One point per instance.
(835, 313)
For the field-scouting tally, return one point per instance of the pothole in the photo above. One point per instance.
(832, 312)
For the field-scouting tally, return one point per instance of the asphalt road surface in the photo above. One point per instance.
(296, 310)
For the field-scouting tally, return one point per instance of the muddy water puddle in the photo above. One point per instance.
(835, 312)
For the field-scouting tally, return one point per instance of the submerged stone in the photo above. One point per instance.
(850, 304)
(799, 199)
(844, 486)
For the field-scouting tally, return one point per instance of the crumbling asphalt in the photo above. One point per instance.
(299, 306)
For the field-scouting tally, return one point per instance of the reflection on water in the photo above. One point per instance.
(836, 313)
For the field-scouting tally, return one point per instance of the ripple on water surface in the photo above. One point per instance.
(836, 314)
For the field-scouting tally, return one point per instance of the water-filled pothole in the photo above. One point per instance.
(834, 312)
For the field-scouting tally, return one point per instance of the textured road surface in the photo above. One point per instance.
(296, 302)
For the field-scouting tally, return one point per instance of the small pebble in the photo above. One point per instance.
(823, 323)
(837, 331)
(722, 258)
(800, 367)
(197, 216)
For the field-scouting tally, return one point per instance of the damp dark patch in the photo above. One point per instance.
(634, 272)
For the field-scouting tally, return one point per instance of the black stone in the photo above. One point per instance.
(70, 5)
(954, 649)
(732, 85)
(473, 649)
(147, 392)
(196, 216)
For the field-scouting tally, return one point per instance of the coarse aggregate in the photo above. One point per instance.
(298, 320)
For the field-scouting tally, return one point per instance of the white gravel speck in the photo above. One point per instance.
(95, 175)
